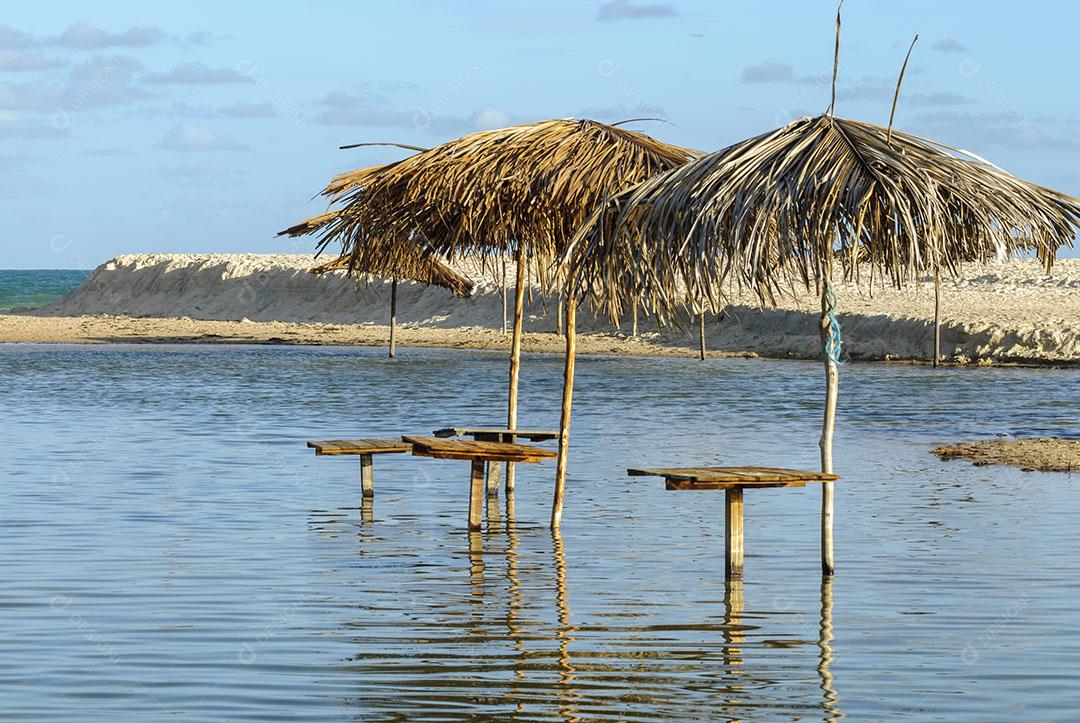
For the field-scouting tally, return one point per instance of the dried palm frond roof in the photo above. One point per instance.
(528, 186)
(422, 265)
(779, 207)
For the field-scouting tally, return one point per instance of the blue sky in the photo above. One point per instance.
(208, 126)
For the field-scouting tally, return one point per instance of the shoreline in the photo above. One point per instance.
(104, 330)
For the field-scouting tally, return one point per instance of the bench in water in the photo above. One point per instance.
(479, 453)
(733, 480)
(366, 448)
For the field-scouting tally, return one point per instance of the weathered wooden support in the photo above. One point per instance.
(937, 316)
(515, 357)
(393, 318)
(493, 475)
(476, 494)
(567, 400)
(733, 533)
(832, 389)
(367, 476)
(701, 334)
(502, 295)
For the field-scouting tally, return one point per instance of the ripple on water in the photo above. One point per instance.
(170, 548)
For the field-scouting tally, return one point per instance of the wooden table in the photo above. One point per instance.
(733, 480)
(365, 448)
(498, 434)
(478, 453)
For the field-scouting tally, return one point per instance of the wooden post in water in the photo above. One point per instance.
(567, 399)
(476, 494)
(733, 533)
(937, 315)
(701, 335)
(832, 389)
(393, 318)
(515, 358)
(367, 478)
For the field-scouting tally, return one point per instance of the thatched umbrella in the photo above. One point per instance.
(521, 190)
(779, 208)
(423, 266)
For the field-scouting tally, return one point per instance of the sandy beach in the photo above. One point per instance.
(1009, 312)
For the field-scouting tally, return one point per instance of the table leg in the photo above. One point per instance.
(733, 537)
(367, 478)
(476, 494)
(493, 479)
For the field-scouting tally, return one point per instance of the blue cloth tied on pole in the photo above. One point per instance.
(834, 341)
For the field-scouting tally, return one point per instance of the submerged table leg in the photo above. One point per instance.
(493, 479)
(476, 494)
(733, 536)
(367, 478)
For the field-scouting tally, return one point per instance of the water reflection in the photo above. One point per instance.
(513, 643)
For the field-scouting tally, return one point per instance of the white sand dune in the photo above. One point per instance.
(1009, 311)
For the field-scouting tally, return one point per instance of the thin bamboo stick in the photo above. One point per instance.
(393, 318)
(515, 359)
(937, 315)
(502, 294)
(701, 335)
(567, 400)
(832, 388)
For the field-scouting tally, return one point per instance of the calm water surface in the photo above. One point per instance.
(170, 549)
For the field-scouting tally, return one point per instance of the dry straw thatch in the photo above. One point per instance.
(527, 186)
(422, 266)
(780, 207)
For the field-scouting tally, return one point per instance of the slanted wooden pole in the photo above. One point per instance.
(393, 318)
(701, 335)
(733, 533)
(515, 358)
(937, 315)
(567, 399)
(476, 494)
(367, 478)
(832, 389)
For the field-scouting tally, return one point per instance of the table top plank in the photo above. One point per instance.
(441, 448)
(728, 477)
(533, 435)
(358, 446)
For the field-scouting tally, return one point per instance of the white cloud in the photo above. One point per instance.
(770, 71)
(25, 60)
(83, 36)
(197, 74)
(488, 118)
(15, 126)
(949, 45)
(629, 10)
(191, 138)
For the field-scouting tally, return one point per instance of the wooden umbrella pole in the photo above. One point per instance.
(515, 358)
(701, 335)
(570, 325)
(832, 389)
(937, 315)
(393, 318)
